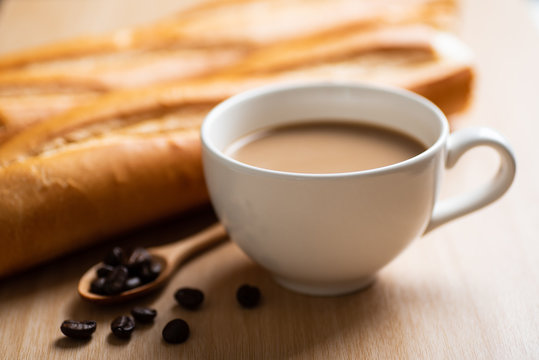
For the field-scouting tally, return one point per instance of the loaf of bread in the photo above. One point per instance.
(128, 158)
(101, 134)
(38, 83)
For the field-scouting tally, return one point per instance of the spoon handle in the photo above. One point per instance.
(179, 251)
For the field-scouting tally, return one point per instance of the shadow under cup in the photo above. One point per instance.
(324, 234)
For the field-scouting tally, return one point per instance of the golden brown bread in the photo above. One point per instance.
(128, 157)
(410, 56)
(65, 200)
(419, 58)
(38, 83)
(245, 23)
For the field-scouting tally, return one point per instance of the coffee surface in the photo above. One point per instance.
(324, 147)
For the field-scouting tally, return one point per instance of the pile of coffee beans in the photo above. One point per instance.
(120, 272)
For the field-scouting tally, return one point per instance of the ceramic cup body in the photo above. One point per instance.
(325, 234)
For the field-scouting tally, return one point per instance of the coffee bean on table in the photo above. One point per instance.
(97, 286)
(115, 257)
(248, 296)
(115, 281)
(132, 283)
(122, 326)
(176, 331)
(189, 298)
(78, 329)
(143, 315)
(104, 270)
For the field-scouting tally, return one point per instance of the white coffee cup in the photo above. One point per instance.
(328, 234)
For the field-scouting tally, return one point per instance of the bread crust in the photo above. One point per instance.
(53, 204)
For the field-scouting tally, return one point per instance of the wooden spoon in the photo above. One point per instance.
(170, 256)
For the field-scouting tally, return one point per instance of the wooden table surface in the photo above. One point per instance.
(469, 290)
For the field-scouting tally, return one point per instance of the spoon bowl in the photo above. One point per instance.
(170, 256)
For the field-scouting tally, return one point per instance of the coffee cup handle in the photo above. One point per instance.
(457, 144)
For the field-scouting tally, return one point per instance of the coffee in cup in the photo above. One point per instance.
(321, 146)
(329, 232)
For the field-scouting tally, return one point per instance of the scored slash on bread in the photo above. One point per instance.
(83, 158)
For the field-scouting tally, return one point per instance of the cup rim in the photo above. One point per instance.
(217, 111)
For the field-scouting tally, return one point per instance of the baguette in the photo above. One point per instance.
(211, 37)
(131, 157)
(430, 62)
(245, 23)
(65, 200)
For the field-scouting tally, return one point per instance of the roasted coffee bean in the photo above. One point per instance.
(115, 257)
(248, 296)
(150, 272)
(98, 286)
(78, 329)
(115, 281)
(104, 270)
(176, 331)
(144, 315)
(132, 283)
(189, 298)
(138, 258)
(123, 326)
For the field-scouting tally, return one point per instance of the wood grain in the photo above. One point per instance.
(469, 290)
